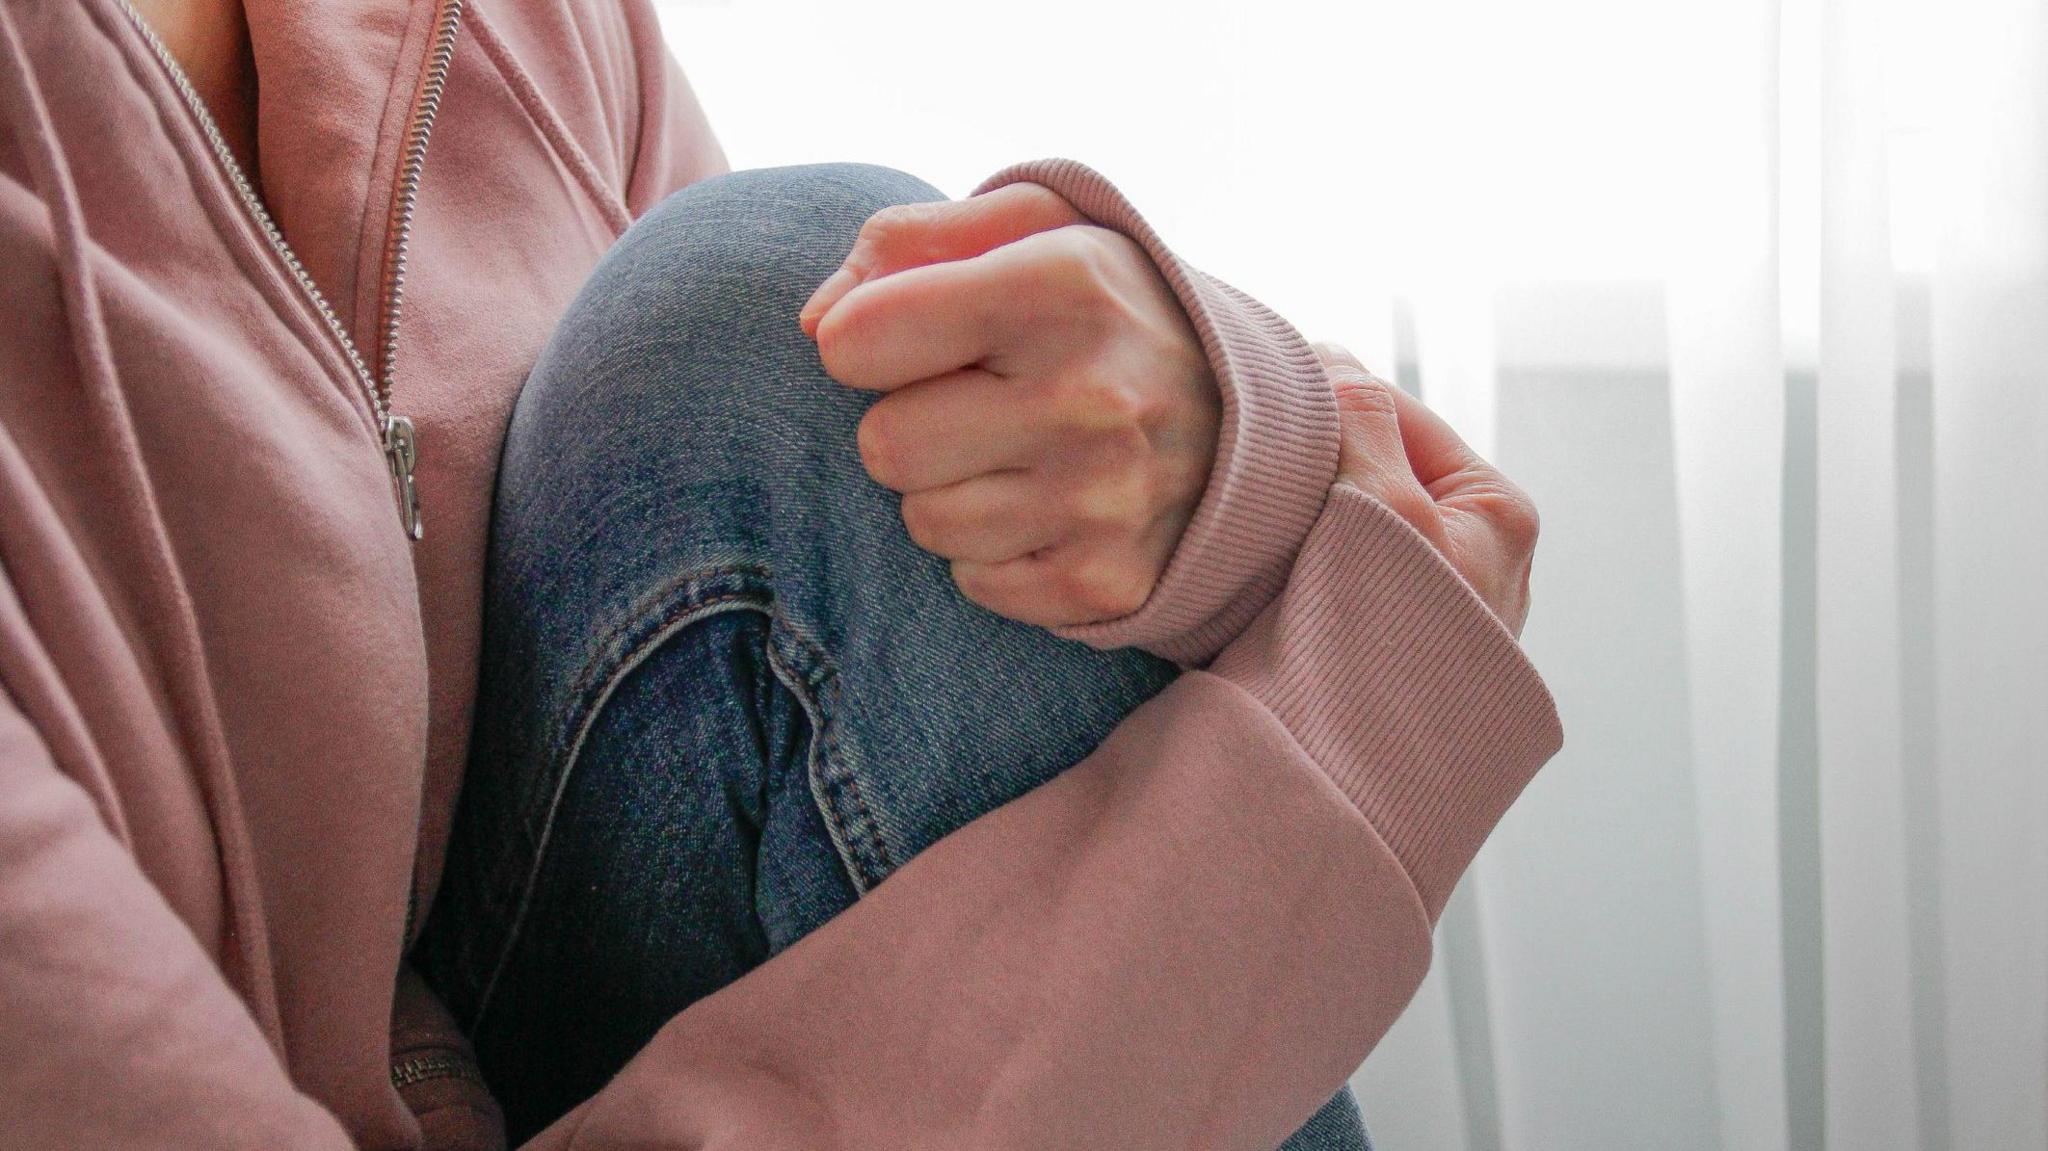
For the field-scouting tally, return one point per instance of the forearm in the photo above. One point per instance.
(1188, 940)
(1155, 950)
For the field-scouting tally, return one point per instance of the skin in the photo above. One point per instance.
(1404, 455)
(210, 40)
(1048, 413)
(1050, 418)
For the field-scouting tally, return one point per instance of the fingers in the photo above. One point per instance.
(1456, 476)
(920, 322)
(1335, 355)
(989, 519)
(1435, 450)
(1019, 305)
(1369, 416)
(1050, 588)
(1371, 453)
(1051, 416)
(1394, 448)
(914, 235)
(943, 430)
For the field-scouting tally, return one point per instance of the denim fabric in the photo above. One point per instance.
(723, 694)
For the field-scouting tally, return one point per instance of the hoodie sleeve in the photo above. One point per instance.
(1193, 937)
(1276, 447)
(119, 1030)
(1189, 940)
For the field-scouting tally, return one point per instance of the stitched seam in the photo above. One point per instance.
(815, 684)
(549, 124)
(819, 694)
(682, 615)
(636, 615)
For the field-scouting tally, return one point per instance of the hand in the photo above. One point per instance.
(1401, 453)
(1050, 416)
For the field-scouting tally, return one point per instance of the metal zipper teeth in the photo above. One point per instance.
(398, 242)
(421, 1068)
(379, 407)
(394, 433)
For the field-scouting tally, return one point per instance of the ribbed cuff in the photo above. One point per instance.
(1401, 685)
(1276, 451)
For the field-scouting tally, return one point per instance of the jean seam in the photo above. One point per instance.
(681, 615)
(799, 663)
(807, 672)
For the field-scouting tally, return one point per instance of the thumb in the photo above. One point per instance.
(914, 235)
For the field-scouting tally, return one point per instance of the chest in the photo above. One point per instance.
(339, 653)
(210, 41)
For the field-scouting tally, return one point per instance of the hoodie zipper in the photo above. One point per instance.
(438, 1065)
(394, 432)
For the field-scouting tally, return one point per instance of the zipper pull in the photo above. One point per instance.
(403, 452)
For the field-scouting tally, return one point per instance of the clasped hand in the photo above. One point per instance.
(1049, 414)
(1050, 417)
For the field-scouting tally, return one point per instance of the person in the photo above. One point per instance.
(916, 672)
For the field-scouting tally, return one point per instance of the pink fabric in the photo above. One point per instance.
(236, 700)
(1276, 452)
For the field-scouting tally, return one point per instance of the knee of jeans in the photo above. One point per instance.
(686, 334)
(781, 229)
(727, 261)
(680, 419)
(811, 205)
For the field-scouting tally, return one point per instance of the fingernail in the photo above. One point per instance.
(836, 285)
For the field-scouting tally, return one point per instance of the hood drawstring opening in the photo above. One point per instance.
(246, 960)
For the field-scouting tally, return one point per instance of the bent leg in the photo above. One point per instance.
(723, 693)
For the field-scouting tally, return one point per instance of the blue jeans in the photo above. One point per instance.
(722, 693)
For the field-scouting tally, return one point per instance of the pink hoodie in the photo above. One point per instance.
(236, 695)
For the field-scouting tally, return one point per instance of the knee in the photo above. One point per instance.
(679, 404)
(799, 219)
(689, 323)
(733, 257)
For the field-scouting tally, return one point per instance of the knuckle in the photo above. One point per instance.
(879, 443)
(1362, 393)
(1068, 282)
(1506, 510)
(1103, 589)
(1412, 504)
(1075, 261)
(897, 229)
(1091, 508)
(1104, 403)
(1518, 520)
(925, 520)
(1129, 408)
(1114, 505)
(889, 222)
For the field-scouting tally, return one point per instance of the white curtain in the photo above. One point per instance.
(1753, 296)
